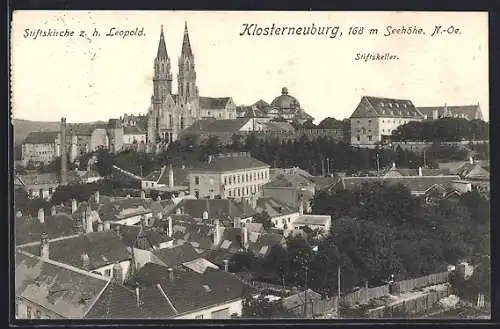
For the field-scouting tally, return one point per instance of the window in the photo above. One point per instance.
(369, 138)
(242, 178)
(196, 180)
(247, 190)
(107, 272)
(364, 131)
(357, 138)
(28, 312)
(369, 122)
(198, 317)
(197, 194)
(358, 122)
(38, 314)
(229, 192)
(238, 179)
(239, 192)
(246, 177)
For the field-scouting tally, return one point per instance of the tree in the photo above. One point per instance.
(243, 261)
(261, 307)
(263, 218)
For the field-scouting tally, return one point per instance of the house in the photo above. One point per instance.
(125, 211)
(184, 293)
(321, 223)
(223, 129)
(398, 172)
(38, 185)
(233, 175)
(96, 252)
(169, 257)
(166, 180)
(280, 213)
(276, 172)
(295, 303)
(222, 108)
(294, 190)
(133, 135)
(89, 138)
(469, 112)
(45, 289)
(43, 147)
(375, 118)
(208, 209)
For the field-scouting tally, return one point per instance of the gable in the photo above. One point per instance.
(363, 110)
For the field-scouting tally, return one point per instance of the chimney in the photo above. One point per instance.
(205, 215)
(143, 221)
(74, 206)
(44, 246)
(226, 265)
(96, 196)
(107, 225)
(117, 273)
(394, 165)
(237, 222)
(170, 226)
(471, 160)
(245, 236)
(210, 158)
(170, 176)
(85, 261)
(88, 221)
(41, 215)
(159, 215)
(435, 114)
(143, 195)
(64, 155)
(137, 297)
(100, 227)
(53, 211)
(301, 207)
(420, 171)
(178, 211)
(217, 232)
(117, 231)
(158, 198)
(171, 274)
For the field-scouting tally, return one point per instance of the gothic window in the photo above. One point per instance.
(170, 120)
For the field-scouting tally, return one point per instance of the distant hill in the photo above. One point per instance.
(23, 127)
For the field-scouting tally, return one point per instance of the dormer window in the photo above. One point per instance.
(382, 104)
(390, 104)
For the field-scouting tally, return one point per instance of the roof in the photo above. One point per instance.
(416, 184)
(275, 172)
(198, 126)
(285, 101)
(216, 208)
(232, 161)
(218, 256)
(264, 242)
(217, 126)
(294, 301)
(324, 183)
(153, 176)
(176, 255)
(200, 265)
(470, 112)
(68, 292)
(372, 107)
(313, 220)
(41, 137)
(133, 130)
(29, 229)
(415, 172)
(120, 208)
(162, 48)
(277, 126)
(180, 176)
(251, 111)
(293, 181)
(274, 207)
(186, 45)
(145, 238)
(473, 171)
(39, 179)
(103, 248)
(214, 103)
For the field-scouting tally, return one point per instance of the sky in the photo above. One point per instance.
(98, 78)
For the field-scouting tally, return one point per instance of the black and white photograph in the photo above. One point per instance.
(246, 165)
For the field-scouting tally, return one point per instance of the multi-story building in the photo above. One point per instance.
(469, 112)
(375, 118)
(89, 138)
(233, 175)
(45, 147)
(133, 135)
(170, 113)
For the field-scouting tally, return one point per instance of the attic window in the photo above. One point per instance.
(382, 104)
(390, 104)
(404, 105)
(207, 288)
(397, 105)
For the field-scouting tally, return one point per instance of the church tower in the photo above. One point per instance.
(187, 89)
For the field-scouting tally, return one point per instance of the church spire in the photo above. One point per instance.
(186, 45)
(162, 48)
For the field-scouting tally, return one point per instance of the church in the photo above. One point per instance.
(171, 113)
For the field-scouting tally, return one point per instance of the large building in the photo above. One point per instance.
(233, 175)
(375, 118)
(469, 112)
(170, 113)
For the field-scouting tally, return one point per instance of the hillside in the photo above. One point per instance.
(23, 127)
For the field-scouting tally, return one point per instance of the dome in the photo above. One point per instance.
(285, 101)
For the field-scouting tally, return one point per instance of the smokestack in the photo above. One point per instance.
(96, 196)
(137, 297)
(237, 222)
(117, 273)
(107, 225)
(143, 195)
(100, 227)
(226, 265)
(301, 207)
(170, 226)
(210, 158)
(88, 221)
(170, 176)
(53, 211)
(41, 215)
(85, 261)
(245, 236)
(205, 215)
(74, 206)
(420, 171)
(44, 246)
(217, 232)
(471, 160)
(435, 114)
(171, 274)
(64, 155)
(394, 165)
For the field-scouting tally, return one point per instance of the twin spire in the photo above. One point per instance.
(186, 45)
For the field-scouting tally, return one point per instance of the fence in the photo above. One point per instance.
(363, 295)
(423, 281)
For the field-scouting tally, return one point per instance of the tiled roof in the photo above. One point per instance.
(216, 126)
(177, 255)
(255, 227)
(473, 171)
(123, 207)
(103, 248)
(146, 239)
(217, 257)
(133, 130)
(294, 181)
(216, 208)
(471, 112)
(313, 220)
(277, 126)
(29, 229)
(274, 207)
(198, 125)
(199, 265)
(117, 302)
(250, 112)
(60, 289)
(41, 137)
(416, 184)
(232, 161)
(231, 240)
(214, 103)
(39, 179)
(372, 107)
